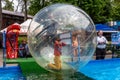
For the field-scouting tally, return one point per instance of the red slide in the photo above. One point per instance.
(12, 40)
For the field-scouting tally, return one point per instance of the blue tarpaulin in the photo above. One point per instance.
(104, 28)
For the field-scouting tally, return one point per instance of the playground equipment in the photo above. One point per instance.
(4, 48)
(12, 40)
(62, 21)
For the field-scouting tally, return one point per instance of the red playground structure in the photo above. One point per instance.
(12, 40)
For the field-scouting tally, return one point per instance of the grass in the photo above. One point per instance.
(33, 71)
(28, 65)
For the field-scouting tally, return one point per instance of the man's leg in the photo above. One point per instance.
(98, 53)
(103, 52)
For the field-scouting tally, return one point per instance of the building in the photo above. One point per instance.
(10, 17)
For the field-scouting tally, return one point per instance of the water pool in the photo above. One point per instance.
(103, 69)
(98, 69)
(11, 73)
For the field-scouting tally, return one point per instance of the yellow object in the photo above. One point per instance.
(57, 63)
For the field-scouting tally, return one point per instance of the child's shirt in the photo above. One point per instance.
(57, 48)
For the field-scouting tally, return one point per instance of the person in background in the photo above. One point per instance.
(27, 51)
(23, 48)
(101, 45)
(75, 46)
(57, 53)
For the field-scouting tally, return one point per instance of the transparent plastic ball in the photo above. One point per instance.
(62, 37)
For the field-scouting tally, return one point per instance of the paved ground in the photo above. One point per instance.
(1, 58)
(108, 56)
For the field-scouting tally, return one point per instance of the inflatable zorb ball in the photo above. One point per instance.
(61, 37)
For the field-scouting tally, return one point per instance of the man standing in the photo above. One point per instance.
(101, 45)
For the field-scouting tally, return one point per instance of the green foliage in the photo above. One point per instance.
(36, 5)
(116, 10)
(8, 6)
(101, 11)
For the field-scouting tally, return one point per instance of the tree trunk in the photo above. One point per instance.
(0, 15)
(25, 3)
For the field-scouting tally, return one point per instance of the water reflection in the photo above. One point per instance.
(54, 76)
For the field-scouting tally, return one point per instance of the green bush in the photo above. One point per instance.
(109, 47)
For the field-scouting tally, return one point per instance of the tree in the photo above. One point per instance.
(36, 5)
(25, 11)
(0, 15)
(8, 6)
(116, 10)
(22, 7)
(100, 11)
